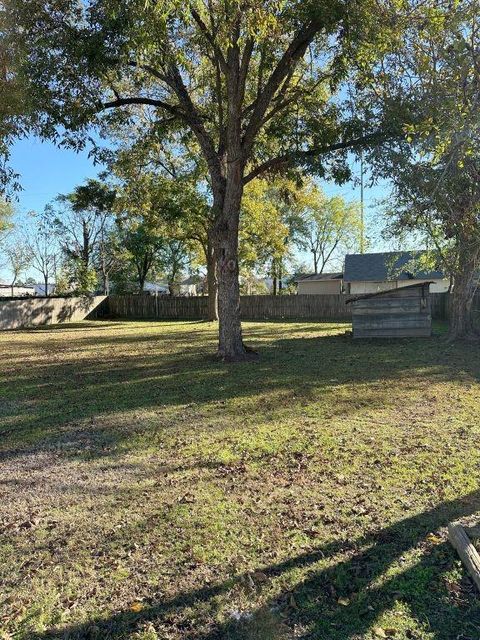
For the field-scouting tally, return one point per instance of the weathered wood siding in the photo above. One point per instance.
(400, 313)
(16, 313)
(162, 307)
(302, 307)
(441, 307)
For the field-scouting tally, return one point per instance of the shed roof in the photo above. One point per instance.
(380, 267)
(375, 294)
(319, 277)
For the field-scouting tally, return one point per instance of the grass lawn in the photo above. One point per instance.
(148, 491)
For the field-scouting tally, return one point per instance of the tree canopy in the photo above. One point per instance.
(251, 84)
(435, 168)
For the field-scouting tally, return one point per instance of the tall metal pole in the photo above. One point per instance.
(362, 216)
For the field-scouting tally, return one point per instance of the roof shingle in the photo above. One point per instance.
(394, 265)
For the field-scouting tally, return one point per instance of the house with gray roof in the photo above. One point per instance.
(373, 272)
(319, 283)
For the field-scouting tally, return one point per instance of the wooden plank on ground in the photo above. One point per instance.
(466, 551)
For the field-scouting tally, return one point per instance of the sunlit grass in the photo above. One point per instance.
(149, 491)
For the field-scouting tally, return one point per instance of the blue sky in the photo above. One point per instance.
(45, 171)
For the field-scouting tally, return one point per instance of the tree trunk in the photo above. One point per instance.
(230, 346)
(465, 285)
(46, 286)
(212, 310)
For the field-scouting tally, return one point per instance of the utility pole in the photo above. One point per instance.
(362, 212)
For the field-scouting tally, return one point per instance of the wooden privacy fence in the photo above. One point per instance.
(302, 307)
(287, 307)
(440, 303)
(163, 307)
(24, 312)
(291, 307)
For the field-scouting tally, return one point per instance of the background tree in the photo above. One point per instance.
(178, 205)
(331, 226)
(156, 172)
(173, 259)
(435, 167)
(143, 242)
(153, 211)
(43, 249)
(263, 232)
(250, 81)
(6, 221)
(18, 259)
(109, 255)
(80, 220)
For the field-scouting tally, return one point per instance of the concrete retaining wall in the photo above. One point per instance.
(34, 312)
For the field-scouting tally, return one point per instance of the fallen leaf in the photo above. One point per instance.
(344, 601)
(259, 576)
(379, 632)
(434, 539)
(136, 607)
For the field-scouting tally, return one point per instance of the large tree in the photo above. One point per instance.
(250, 81)
(435, 169)
(15, 116)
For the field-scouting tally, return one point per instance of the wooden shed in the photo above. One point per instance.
(403, 312)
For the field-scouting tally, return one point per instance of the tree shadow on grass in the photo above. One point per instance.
(366, 577)
(47, 403)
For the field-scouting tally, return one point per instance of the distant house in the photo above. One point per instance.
(188, 287)
(320, 283)
(191, 286)
(7, 291)
(40, 289)
(373, 272)
(156, 288)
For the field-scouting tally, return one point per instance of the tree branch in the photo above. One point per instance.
(287, 62)
(192, 116)
(149, 69)
(210, 39)
(244, 65)
(120, 102)
(289, 159)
